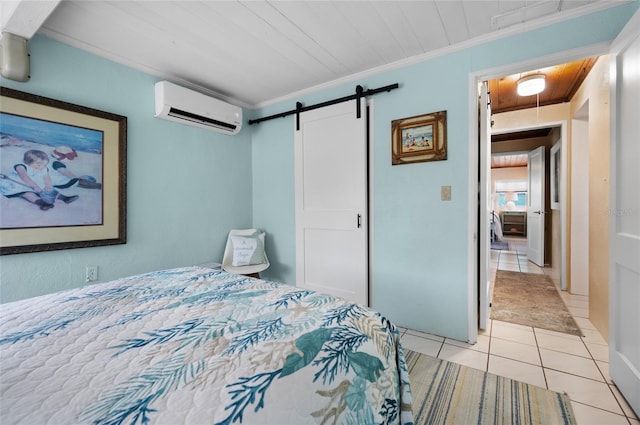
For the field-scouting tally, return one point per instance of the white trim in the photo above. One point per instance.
(565, 56)
(624, 249)
(24, 18)
(564, 168)
(371, 191)
(485, 214)
(472, 211)
(543, 124)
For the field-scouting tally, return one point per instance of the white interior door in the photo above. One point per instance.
(484, 285)
(536, 207)
(624, 257)
(331, 202)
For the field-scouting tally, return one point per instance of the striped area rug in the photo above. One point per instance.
(448, 393)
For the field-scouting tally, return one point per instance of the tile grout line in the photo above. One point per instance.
(606, 382)
(593, 359)
(489, 345)
(501, 261)
(624, 415)
(544, 375)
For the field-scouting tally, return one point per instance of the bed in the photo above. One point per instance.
(496, 227)
(196, 345)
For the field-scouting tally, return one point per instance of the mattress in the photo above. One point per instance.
(199, 346)
(496, 227)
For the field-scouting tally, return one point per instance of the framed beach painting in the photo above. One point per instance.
(62, 175)
(419, 139)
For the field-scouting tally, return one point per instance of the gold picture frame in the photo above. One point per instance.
(90, 205)
(421, 138)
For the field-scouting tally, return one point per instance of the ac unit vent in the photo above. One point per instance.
(189, 107)
(174, 112)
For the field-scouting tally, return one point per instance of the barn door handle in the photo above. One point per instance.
(359, 221)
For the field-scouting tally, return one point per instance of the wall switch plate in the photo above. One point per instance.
(90, 274)
(445, 193)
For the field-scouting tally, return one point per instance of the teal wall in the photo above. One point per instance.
(187, 187)
(420, 262)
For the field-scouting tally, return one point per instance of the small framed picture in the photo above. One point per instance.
(421, 138)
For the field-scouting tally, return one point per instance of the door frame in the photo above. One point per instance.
(473, 252)
(623, 248)
(484, 266)
(371, 145)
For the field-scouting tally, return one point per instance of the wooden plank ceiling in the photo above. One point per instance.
(562, 82)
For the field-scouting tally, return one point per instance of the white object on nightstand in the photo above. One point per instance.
(228, 257)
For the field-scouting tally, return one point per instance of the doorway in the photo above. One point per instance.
(509, 194)
(603, 227)
(579, 257)
(527, 230)
(516, 190)
(538, 118)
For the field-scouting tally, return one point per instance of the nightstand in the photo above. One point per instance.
(514, 223)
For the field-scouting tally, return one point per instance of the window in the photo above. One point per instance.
(511, 194)
(521, 200)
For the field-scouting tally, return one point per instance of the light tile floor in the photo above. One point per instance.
(560, 362)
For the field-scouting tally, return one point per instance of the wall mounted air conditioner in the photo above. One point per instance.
(185, 106)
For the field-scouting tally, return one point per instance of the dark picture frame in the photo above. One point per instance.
(90, 209)
(421, 138)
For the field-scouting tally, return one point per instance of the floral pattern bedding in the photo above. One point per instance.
(199, 346)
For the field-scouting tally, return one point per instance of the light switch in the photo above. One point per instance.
(445, 193)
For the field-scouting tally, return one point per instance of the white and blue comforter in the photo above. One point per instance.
(198, 346)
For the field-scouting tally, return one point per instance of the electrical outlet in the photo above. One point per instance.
(91, 273)
(445, 193)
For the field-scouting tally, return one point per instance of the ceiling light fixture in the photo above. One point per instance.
(533, 84)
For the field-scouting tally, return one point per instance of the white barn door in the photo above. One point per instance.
(624, 257)
(331, 201)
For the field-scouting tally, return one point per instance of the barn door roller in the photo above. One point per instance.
(360, 93)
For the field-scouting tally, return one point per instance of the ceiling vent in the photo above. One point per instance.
(185, 106)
